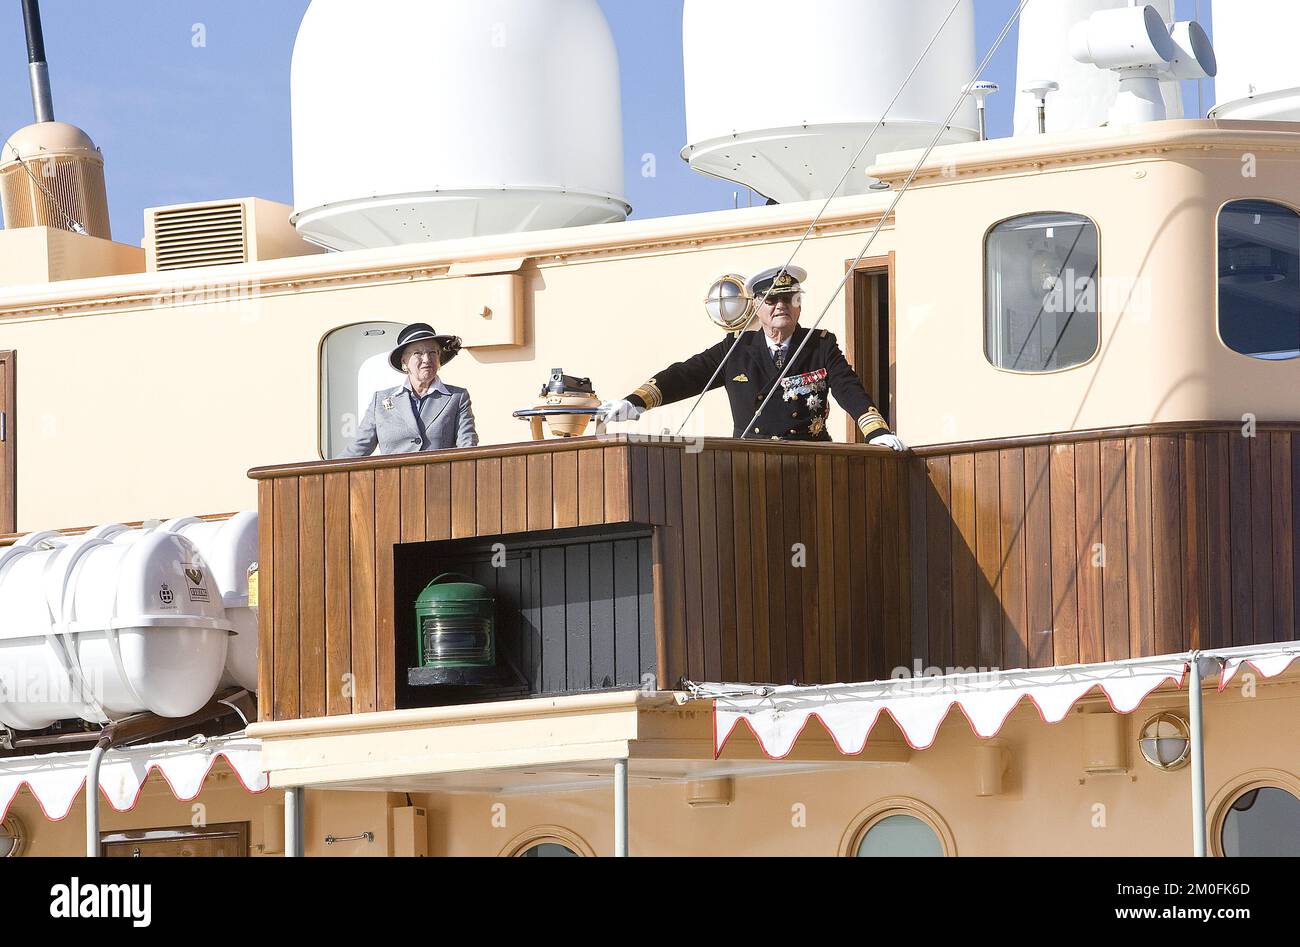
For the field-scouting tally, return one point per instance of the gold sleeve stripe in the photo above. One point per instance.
(872, 423)
(650, 394)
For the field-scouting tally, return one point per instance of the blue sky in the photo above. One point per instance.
(182, 123)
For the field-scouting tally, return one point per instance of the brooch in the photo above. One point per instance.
(388, 404)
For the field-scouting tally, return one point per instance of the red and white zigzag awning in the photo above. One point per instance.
(849, 712)
(1268, 663)
(56, 779)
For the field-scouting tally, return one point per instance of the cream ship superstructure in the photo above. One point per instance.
(1089, 335)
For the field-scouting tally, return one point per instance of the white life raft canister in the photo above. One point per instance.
(98, 630)
(229, 547)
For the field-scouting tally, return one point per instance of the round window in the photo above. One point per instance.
(900, 836)
(1263, 821)
(548, 850)
(12, 838)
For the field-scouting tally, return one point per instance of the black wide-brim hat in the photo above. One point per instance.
(420, 332)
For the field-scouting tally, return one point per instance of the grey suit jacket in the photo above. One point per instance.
(389, 424)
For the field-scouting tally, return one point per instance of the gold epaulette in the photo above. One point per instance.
(650, 394)
(872, 423)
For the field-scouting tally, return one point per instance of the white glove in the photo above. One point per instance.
(614, 411)
(891, 441)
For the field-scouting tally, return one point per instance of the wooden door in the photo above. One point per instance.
(8, 444)
(869, 341)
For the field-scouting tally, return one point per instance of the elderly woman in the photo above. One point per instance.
(423, 413)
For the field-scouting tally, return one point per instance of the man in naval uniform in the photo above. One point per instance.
(799, 408)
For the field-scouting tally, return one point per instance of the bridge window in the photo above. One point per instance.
(1259, 279)
(1041, 293)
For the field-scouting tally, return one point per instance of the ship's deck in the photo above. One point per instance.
(621, 559)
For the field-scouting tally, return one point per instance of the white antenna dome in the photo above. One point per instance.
(420, 120)
(780, 96)
(1259, 74)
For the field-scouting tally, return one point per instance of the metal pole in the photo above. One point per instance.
(620, 808)
(1196, 725)
(293, 822)
(38, 69)
(1200, 83)
(92, 793)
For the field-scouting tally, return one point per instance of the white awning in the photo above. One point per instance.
(849, 712)
(56, 779)
(1269, 661)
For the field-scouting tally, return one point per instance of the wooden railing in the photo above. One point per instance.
(745, 541)
(803, 562)
(1105, 545)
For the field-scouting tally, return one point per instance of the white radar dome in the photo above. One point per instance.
(780, 96)
(420, 120)
(1259, 73)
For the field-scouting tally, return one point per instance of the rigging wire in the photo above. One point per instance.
(934, 143)
(826, 206)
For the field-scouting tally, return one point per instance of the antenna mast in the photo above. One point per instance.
(38, 68)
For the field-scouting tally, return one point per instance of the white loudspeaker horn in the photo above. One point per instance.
(1194, 57)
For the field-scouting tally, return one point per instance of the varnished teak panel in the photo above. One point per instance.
(807, 563)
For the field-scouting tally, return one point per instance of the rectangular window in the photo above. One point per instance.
(1259, 280)
(1042, 305)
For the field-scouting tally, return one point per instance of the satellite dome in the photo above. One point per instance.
(420, 120)
(1259, 78)
(780, 96)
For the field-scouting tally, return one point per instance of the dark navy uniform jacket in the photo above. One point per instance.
(798, 410)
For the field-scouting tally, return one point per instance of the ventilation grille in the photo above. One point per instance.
(212, 235)
(53, 192)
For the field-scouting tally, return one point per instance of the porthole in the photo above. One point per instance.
(1261, 821)
(548, 841)
(548, 850)
(898, 828)
(13, 837)
(1256, 814)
